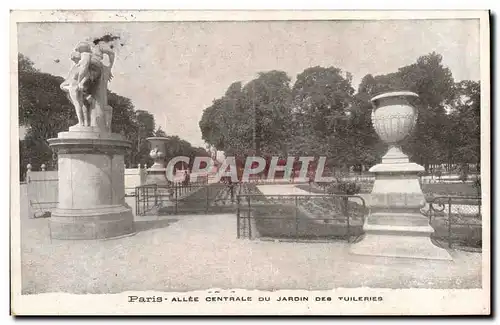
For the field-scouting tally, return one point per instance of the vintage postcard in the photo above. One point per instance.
(250, 163)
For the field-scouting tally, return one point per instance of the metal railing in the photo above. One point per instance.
(42, 193)
(300, 217)
(185, 198)
(456, 219)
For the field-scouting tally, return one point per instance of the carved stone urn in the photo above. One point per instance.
(395, 226)
(157, 151)
(394, 118)
(157, 172)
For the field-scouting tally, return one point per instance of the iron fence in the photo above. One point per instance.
(42, 193)
(182, 198)
(300, 217)
(456, 219)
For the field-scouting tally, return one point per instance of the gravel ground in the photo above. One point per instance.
(187, 253)
(201, 252)
(283, 189)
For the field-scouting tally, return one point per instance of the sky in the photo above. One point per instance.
(176, 69)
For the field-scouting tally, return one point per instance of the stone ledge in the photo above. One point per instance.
(398, 230)
(98, 211)
(396, 200)
(89, 141)
(397, 168)
(75, 226)
(89, 133)
(390, 247)
(397, 219)
(78, 140)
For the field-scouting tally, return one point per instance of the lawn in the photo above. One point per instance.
(301, 217)
(430, 190)
(301, 222)
(466, 232)
(278, 220)
(453, 189)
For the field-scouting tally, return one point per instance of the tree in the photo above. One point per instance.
(176, 146)
(123, 122)
(25, 64)
(366, 147)
(467, 122)
(210, 128)
(250, 119)
(376, 85)
(43, 109)
(321, 99)
(434, 84)
(267, 103)
(143, 127)
(160, 133)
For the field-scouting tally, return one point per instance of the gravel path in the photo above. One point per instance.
(283, 189)
(201, 252)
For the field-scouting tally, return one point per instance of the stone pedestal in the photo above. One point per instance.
(395, 226)
(91, 201)
(157, 174)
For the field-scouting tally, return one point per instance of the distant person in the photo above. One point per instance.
(439, 173)
(186, 178)
(310, 177)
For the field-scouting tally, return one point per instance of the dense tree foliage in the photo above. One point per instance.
(322, 125)
(321, 114)
(43, 109)
(253, 119)
(464, 125)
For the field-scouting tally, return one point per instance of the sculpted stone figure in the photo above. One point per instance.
(87, 83)
(78, 81)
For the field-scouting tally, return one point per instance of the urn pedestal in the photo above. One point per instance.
(91, 201)
(395, 226)
(157, 174)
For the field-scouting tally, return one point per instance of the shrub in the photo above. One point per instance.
(464, 173)
(477, 185)
(344, 187)
(324, 184)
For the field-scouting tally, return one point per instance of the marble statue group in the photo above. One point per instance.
(91, 183)
(86, 84)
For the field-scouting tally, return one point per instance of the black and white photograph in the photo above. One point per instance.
(253, 163)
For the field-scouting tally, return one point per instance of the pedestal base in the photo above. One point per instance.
(395, 247)
(98, 223)
(162, 194)
(91, 185)
(395, 228)
(157, 176)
